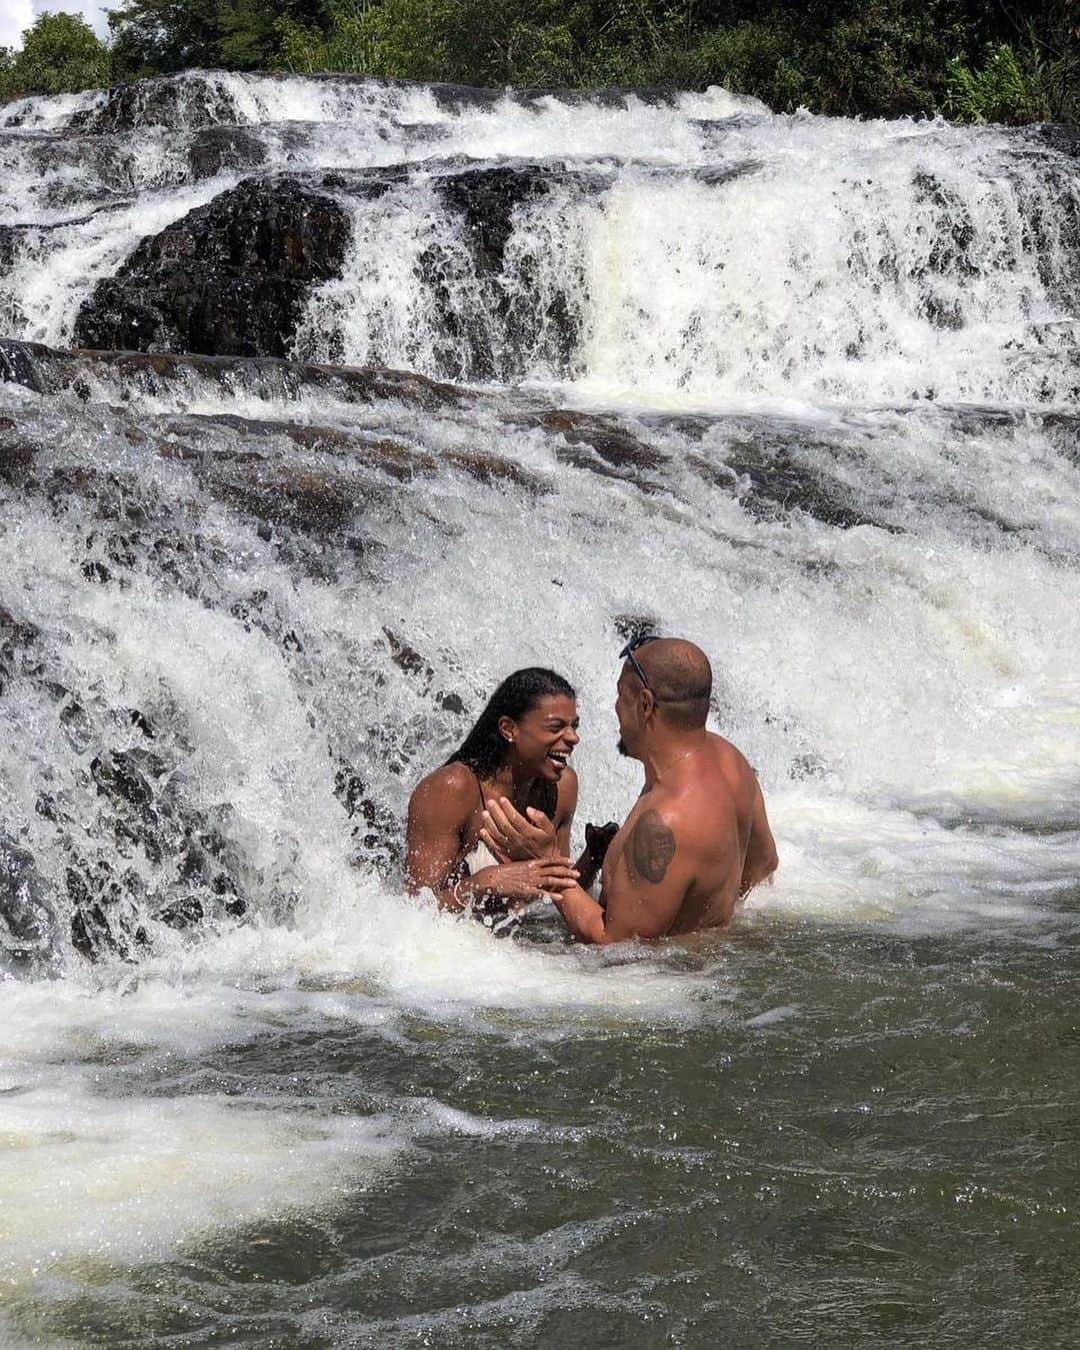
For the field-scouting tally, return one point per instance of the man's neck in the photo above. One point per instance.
(671, 750)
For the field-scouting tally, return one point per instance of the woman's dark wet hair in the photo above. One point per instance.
(484, 748)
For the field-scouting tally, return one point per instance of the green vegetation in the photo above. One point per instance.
(60, 54)
(961, 58)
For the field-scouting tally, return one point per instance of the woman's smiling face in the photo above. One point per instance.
(545, 736)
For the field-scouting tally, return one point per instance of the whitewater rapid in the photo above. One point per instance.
(838, 365)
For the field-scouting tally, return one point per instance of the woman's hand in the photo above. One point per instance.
(514, 837)
(524, 880)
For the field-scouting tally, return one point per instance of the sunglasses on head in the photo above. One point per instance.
(627, 654)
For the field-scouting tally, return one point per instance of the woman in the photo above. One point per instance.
(460, 843)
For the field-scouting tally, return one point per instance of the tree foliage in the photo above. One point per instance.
(60, 54)
(1016, 60)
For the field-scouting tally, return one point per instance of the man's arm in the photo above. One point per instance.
(761, 859)
(642, 895)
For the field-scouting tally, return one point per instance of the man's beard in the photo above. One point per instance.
(620, 745)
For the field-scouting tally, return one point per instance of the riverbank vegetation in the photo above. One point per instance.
(963, 59)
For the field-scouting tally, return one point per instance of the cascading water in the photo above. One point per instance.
(804, 390)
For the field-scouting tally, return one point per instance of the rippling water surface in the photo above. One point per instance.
(804, 390)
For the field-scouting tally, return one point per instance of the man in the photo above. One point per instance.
(698, 837)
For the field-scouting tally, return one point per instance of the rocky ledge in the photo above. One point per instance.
(233, 277)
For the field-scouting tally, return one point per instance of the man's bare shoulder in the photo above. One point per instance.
(680, 811)
(730, 755)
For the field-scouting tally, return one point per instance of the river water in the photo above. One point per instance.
(803, 390)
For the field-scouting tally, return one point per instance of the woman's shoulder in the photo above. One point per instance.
(450, 782)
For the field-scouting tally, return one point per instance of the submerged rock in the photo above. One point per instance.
(27, 912)
(117, 376)
(15, 637)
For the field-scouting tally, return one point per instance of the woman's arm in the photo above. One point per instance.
(438, 811)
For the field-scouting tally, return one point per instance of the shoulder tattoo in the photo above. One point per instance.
(651, 848)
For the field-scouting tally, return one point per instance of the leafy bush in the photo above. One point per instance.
(1007, 62)
(151, 37)
(755, 58)
(61, 54)
(1007, 88)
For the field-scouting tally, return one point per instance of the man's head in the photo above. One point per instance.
(664, 688)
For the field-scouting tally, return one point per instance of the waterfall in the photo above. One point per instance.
(520, 371)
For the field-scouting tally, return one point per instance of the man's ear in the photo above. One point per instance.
(507, 728)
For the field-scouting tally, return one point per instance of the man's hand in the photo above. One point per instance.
(512, 836)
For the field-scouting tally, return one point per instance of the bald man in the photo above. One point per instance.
(698, 837)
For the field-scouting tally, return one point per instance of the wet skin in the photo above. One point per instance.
(447, 815)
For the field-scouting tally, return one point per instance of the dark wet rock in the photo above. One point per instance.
(199, 872)
(410, 662)
(188, 441)
(486, 200)
(493, 470)
(11, 237)
(311, 501)
(96, 571)
(230, 278)
(512, 321)
(191, 100)
(74, 171)
(120, 777)
(17, 454)
(212, 869)
(808, 765)
(715, 175)
(376, 834)
(182, 913)
(19, 365)
(199, 98)
(138, 719)
(27, 912)
(107, 911)
(78, 726)
(215, 149)
(406, 657)
(1062, 137)
(16, 636)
